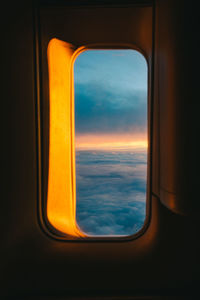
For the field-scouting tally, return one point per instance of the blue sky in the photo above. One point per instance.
(110, 92)
(125, 69)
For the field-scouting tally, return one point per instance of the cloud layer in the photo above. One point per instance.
(102, 109)
(111, 191)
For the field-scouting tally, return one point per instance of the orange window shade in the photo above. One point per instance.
(61, 198)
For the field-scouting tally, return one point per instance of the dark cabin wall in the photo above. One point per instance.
(165, 260)
(19, 97)
(177, 67)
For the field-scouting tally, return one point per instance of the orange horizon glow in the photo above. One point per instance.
(110, 141)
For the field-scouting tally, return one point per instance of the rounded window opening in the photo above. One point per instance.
(111, 142)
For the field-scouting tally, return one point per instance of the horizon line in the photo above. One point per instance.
(112, 146)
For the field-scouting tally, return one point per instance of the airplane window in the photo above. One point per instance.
(110, 87)
(97, 169)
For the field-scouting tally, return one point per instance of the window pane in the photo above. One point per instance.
(111, 141)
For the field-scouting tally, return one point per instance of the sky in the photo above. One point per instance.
(111, 141)
(110, 97)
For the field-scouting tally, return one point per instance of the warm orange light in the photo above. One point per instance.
(61, 199)
(111, 141)
(116, 145)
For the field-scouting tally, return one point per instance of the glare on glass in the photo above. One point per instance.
(110, 141)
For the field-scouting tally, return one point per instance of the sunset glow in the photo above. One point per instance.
(111, 141)
(119, 145)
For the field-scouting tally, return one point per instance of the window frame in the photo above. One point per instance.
(49, 228)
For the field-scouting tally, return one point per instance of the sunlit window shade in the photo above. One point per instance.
(61, 204)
